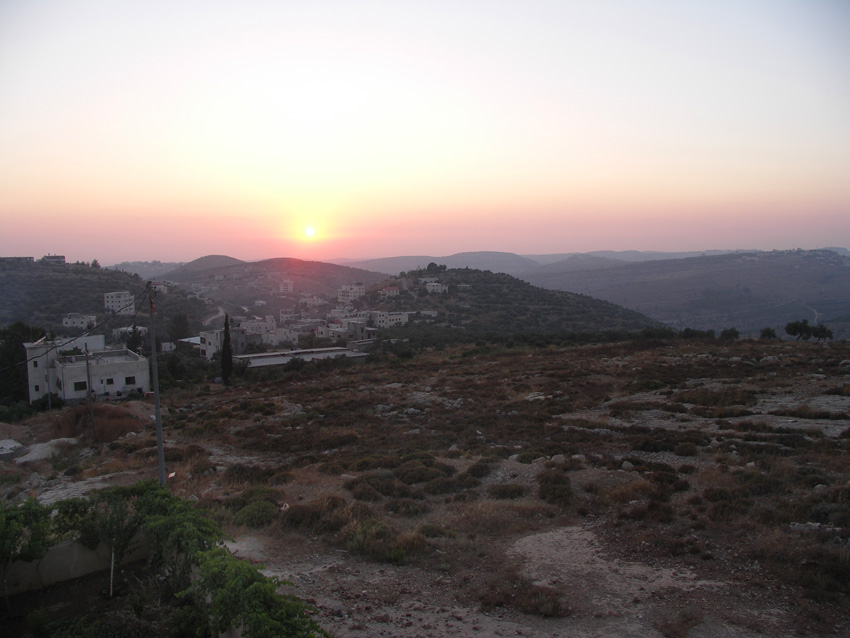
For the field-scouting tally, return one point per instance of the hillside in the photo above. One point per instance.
(481, 302)
(242, 282)
(202, 264)
(41, 295)
(749, 291)
(147, 270)
(509, 263)
(636, 489)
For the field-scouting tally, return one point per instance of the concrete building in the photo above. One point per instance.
(113, 372)
(58, 260)
(286, 286)
(436, 288)
(349, 293)
(212, 340)
(76, 320)
(60, 368)
(121, 302)
(389, 291)
(260, 326)
(397, 319)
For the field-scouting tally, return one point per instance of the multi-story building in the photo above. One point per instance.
(212, 340)
(64, 367)
(286, 286)
(76, 320)
(436, 288)
(389, 291)
(121, 302)
(349, 293)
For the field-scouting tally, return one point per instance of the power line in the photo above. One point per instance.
(85, 333)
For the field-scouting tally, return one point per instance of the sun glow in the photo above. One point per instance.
(310, 231)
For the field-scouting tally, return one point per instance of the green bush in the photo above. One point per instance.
(256, 514)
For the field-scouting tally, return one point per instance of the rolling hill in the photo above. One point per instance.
(749, 291)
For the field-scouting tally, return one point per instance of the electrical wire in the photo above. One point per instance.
(85, 333)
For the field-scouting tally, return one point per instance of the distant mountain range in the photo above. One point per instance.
(748, 290)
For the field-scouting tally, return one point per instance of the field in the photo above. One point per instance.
(646, 488)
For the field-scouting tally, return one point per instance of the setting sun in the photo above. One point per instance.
(310, 231)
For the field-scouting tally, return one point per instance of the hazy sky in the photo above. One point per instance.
(172, 130)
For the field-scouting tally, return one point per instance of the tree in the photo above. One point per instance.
(13, 372)
(729, 334)
(821, 332)
(95, 264)
(226, 352)
(768, 334)
(24, 531)
(134, 340)
(178, 327)
(800, 329)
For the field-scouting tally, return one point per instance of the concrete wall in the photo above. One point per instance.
(65, 561)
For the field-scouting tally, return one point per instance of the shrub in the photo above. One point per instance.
(256, 514)
(555, 488)
(506, 491)
(479, 469)
(406, 507)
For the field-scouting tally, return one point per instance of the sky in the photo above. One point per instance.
(142, 130)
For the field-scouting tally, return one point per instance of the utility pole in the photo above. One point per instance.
(160, 452)
(88, 394)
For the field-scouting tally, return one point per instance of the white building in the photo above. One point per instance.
(58, 367)
(397, 319)
(389, 291)
(286, 286)
(349, 293)
(212, 341)
(259, 326)
(436, 288)
(121, 302)
(76, 320)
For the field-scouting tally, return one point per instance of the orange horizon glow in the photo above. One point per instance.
(388, 129)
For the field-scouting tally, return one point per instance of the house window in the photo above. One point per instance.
(129, 380)
(79, 385)
(36, 388)
(35, 364)
(109, 382)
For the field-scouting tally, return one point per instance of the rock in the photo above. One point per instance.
(627, 465)
(9, 449)
(579, 457)
(559, 459)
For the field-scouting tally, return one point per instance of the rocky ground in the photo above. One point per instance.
(708, 484)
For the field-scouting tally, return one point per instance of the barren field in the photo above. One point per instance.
(640, 489)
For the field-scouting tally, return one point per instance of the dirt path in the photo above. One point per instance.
(607, 597)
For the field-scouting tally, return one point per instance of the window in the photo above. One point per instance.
(129, 380)
(79, 385)
(35, 364)
(109, 382)
(36, 388)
